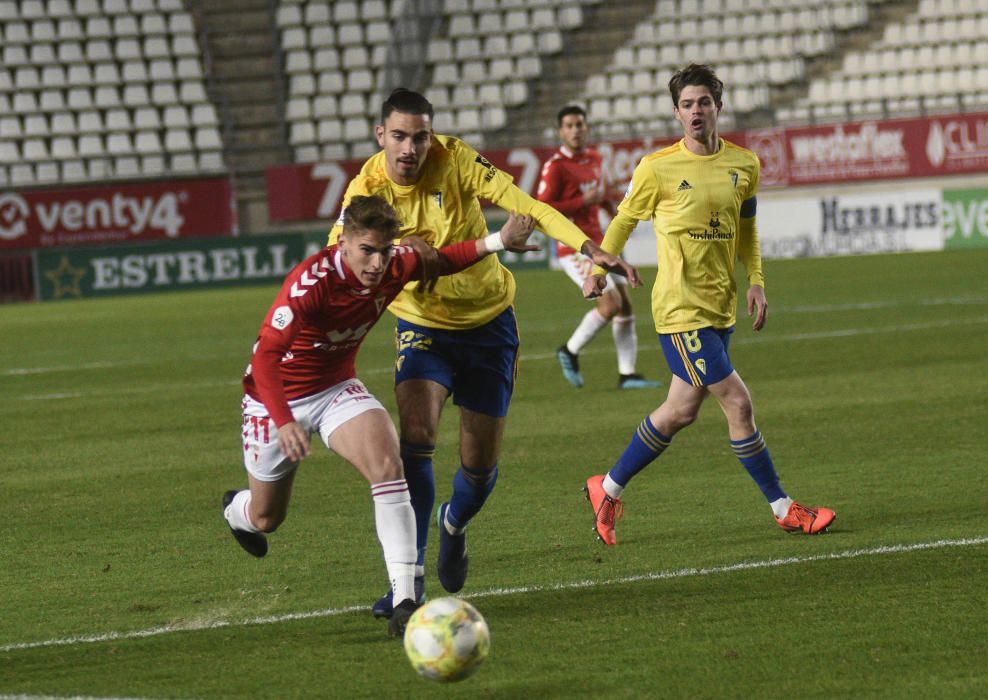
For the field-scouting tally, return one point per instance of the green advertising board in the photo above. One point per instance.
(73, 273)
(194, 263)
(965, 219)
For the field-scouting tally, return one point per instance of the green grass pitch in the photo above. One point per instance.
(120, 432)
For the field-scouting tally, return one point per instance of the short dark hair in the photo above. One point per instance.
(371, 213)
(696, 74)
(570, 109)
(406, 102)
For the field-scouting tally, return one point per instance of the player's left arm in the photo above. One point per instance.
(557, 226)
(487, 181)
(453, 258)
(749, 250)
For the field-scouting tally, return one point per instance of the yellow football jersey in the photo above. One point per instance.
(443, 207)
(695, 204)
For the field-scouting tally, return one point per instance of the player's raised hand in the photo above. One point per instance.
(593, 286)
(428, 259)
(611, 263)
(293, 441)
(515, 233)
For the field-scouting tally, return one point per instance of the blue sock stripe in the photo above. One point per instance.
(753, 454)
(652, 437)
(409, 449)
(750, 451)
(477, 474)
(644, 447)
(471, 487)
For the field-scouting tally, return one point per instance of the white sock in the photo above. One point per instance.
(781, 506)
(626, 343)
(238, 512)
(395, 522)
(612, 488)
(590, 326)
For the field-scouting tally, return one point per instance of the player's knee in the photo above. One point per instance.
(739, 409)
(681, 418)
(387, 468)
(418, 433)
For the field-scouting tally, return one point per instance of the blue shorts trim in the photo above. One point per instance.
(698, 357)
(477, 366)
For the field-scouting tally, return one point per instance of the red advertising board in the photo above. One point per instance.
(811, 155)
(872, 150)
(147, 211)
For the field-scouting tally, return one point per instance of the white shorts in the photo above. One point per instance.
(320, 413)
(578, 266)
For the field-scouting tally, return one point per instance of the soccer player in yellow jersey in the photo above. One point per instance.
(700, 195)
(460, 340)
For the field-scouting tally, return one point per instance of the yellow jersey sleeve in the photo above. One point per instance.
(749, 249)
(498, 186)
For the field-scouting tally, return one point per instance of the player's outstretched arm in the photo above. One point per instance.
(611, 263)
(515, 232)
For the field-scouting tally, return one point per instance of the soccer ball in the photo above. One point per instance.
(447, 640)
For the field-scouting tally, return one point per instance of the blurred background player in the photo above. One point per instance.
(700, 194)
(461, 340)
(572, 183)
(302, 380)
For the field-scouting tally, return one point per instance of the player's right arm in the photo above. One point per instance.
(281, 325)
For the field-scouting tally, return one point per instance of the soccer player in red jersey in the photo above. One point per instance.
(573, 184)
(302, 380)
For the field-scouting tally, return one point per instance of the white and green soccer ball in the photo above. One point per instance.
(447, 640)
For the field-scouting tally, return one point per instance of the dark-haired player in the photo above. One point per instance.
(461, 340)
(572, 182)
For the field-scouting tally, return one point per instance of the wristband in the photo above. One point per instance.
(493, 242)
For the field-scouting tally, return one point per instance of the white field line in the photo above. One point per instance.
(530, 357)
(201, 625)
(66, 697)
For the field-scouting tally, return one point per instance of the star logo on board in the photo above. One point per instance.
(66, 278)
(684, 185)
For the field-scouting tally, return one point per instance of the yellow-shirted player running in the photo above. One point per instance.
(700, 194)
(461, 339)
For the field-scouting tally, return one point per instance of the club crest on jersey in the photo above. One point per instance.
(714, 219)
(701, 365)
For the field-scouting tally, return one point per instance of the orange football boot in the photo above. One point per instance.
(802, 518)
(606, 509)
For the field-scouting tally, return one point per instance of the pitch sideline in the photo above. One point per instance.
(499, 592)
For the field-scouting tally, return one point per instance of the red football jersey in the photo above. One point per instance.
(310, 336)
(566, 176)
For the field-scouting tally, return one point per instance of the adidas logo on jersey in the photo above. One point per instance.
(684, 186)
